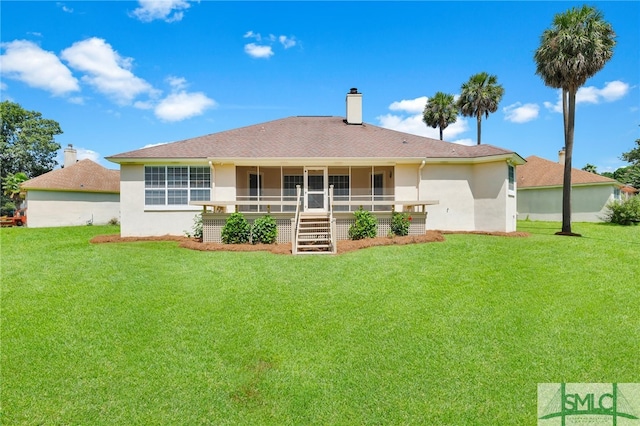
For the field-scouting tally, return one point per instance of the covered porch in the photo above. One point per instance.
(324, 196)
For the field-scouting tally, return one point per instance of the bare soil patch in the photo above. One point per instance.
(344, 246)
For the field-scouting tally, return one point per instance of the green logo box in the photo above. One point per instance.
(593, 404)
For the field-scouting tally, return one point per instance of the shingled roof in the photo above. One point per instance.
(539, 172)
(83, 176)
(311, 137)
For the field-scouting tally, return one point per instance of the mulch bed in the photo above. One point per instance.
(344, 246)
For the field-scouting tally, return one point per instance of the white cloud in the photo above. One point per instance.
(182, 105)
(411, 106)
(106, 70)
(27, 62)
(151, 145)
(519, 113)
(64, 7)
(84, 154)
(251, 34)
(287, 42)
(612, 91)
(177, 83)
(258, 51)
(263, 47)
(3, 85)
(166, 10)
(412, 123)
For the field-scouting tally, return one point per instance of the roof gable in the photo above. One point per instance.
(538, 172)
(83, 176)
(311, 137)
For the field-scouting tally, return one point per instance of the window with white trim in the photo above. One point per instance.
(176, 185)
(512, 177)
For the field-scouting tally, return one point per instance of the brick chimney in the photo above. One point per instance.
(354, 107)
(561, 155)
(70, 156)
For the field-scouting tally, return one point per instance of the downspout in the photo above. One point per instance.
(420, 176)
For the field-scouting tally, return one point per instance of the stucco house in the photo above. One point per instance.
(316, 169)
(540, 191)
(82, 192)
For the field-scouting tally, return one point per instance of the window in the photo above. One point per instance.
(512, 177)
(176, 185)
(616, 193)
(340, 190)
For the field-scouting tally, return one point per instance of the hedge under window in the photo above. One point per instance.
(176, 185)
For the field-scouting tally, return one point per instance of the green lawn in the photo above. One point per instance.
(458, 332)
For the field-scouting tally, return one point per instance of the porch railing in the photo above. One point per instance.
(220, 206)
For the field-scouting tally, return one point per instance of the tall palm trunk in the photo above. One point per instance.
(566, 184)
(479, 124)
(441, 133)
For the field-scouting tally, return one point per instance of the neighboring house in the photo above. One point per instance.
(257, 169)
(540, 191)
(628, 191)
(82, 192)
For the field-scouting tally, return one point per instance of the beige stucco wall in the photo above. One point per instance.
(471, 197)
(495, 204)
(451, 186)
(58, 208)
(587, 203)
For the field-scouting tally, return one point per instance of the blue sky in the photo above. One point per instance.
(121, 75)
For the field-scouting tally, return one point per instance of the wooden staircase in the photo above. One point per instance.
(313, 235)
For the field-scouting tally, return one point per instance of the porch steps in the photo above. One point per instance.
(314, 234)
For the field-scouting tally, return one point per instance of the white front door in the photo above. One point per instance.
(315, 189)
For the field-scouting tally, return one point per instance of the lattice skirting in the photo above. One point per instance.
(212, 224)
(212, 228)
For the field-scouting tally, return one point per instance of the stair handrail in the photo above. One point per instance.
(331, 227)
(298, 193)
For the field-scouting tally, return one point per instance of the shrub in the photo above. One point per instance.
(264, 230)
(625, 212)
(196, 229)
(400, 223)
(113, 221)
(236, 230)
(366, 225)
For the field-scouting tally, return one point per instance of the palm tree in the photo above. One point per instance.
(440, 111)
(480, 96)
(577, 46)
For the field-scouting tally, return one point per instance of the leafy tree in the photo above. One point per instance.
(27, 141)
(629, 175)
(11, 186)
(440, 111)
(590, 168)
(577, 46)
(11, 198)
(480, 96)
(633, 156)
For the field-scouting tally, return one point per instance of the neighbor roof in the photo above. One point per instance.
(540, 172)
(311, 137)
(83, 176)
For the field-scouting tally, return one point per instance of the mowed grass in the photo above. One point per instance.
(459, 332)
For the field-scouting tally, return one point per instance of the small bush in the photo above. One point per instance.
(196, 229)
(236, 230)
(113, 221)
(264, 230)
(625, 212)
(366, 225)
(400, 224)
